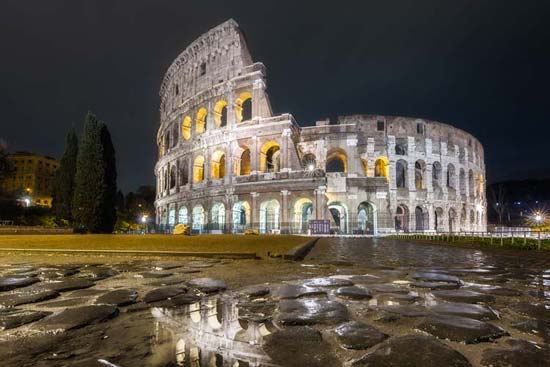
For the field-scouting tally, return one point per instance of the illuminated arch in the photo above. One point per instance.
(241, 215)
(198, 169)
(183, 216)
(366, 218)
(218, 165)
(419, 174)
(269, 216)
(365, 165)
(303, 213)
(337, 160)
(270, 157)
(402, 218)
(198, 218)
(186, 128)
(220, 113)
(243, 107)
(218, 216)
(382, 167)
(339, 214)
(200, 123)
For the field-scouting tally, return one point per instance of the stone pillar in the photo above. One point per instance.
(371, 159)
(255, 210)
(258, 91)
(255, 156)
(354, 163)
(190, 172)
(231, 117)
(320, 202)
(177, 175)
(284, 211)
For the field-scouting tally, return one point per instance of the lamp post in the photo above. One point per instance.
(144, 221)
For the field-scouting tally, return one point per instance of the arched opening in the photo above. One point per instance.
(366, 220)
(218, 165)
(164, 217)
(303, 213)
(400, 149)
(436, 174)
(182, 216)
(309, 162)
(243, 107)
(438, 218)
(241, 216)
(472, 220)
(244, 169)
(452, 220)
(463, 219)
(339, 214)
(220, 113)
(184, 172)
(186, 128)
(172, 177)
(218, 216)
(462, 182)
(200, 123)
(421, 219)
(451, 176)
(172, 216)
(180, 352)
(198, 169)
(382, 167)
(471, 185)
(270, 157)
(419, 173)
(269, 216)
(337, 160)
(402, 218)
(401, 173)
(198, 218)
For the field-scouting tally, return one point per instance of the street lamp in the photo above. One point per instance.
(144, 221)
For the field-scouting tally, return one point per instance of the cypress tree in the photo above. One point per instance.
(65, 176)
(108, 207)
(95, 179)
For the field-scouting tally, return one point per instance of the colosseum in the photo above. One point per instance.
(228, 163)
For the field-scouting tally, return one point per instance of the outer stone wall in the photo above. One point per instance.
(227, 163)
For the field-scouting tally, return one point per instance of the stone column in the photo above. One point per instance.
(231, 118)
(353, 158)
(177, 175)
(255, 211)
(257, 96)
(255, 156)
(320, 202)
(371, 159)
(284, 211)
(285, 150)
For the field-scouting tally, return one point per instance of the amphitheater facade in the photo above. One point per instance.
(228, 163)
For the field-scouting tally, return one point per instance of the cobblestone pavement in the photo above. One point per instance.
(353, 301)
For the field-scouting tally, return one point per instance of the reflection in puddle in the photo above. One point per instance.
(214, 332)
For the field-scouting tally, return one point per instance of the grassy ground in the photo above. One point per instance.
(204, 243)
(469, 241)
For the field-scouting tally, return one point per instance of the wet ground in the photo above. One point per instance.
(359, 302)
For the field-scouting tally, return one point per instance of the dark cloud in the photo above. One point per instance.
(479, 65)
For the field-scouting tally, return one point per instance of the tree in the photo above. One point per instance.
(95, 179)
(64, 180)
(499, 201)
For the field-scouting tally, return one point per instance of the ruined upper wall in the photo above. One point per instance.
(216, 56)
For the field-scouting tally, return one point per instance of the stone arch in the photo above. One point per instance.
(366, 218)
(451, 176)
(436, 174)
(172, 177)
(184, 172)
(186, 128)
(337, 160)
(180, 352)
(309, 161)
(452, 220)
(400, 149)
(200, 122)
(419, 174)
(402, 218)
(220, 113)
(183, 217)
(217, 214)
(243, 107)
(270, 157)
(438, 218)
(401, 173)
(172, 215)
(471, 185)
(241, 215)
(463, 219)
(303, 213)
(472, 219)
(421, 219)
(218, 165)
(462, 182)
(269, 216)
(245, 162)
(339, 214)
(198, 218)
(382, 167)
(198, 169)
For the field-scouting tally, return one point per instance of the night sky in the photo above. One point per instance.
(483, 66)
